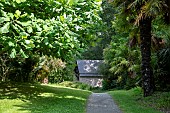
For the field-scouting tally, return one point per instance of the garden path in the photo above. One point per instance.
(101, 103)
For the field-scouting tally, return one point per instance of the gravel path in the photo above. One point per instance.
(101, 103)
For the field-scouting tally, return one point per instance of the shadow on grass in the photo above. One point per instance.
(44, 99)
(19, 90)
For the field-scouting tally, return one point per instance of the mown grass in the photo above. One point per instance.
(132, 101)
(35, 98)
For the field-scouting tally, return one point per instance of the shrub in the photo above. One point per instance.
(49, 67)
(130, 83)
(77, 85)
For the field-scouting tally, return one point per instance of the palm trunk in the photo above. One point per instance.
(147, 73)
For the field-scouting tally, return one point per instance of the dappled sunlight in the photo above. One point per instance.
(41, 99)
(49, 102)
(73, 97)
(13, 106)
(13, 91)
(60, 96)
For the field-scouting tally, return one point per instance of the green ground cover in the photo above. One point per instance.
(29, 98)
(132, 101)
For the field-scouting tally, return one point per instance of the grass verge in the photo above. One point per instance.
(34, 98)
(132, 101)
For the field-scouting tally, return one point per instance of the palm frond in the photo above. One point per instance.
(123, 63)
(134, 68)
(148, 9)
(133, 4)
(165, 55)
(156, 43)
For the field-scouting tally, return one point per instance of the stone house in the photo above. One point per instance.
(89, 72)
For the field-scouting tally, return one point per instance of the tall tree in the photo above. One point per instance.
(147, 10)
(138, 12)
(147, 73)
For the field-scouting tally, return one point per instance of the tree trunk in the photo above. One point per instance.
(147, 73)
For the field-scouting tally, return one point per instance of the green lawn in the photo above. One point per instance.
(29, 98)
(132, 101)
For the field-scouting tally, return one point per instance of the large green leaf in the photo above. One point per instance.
(5, 28)
(24, 35)
(72, 45)
(23, 54)
(29, 44)
(72, 2)
(3, 19)
(13, 53)
(28, 23)
(29, 29)
(3, 13)
(17, 13)
(19, 1)
(38, 27)
(11, 44)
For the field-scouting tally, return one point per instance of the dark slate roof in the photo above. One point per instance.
(89, 67)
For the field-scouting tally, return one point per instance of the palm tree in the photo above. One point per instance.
(149, 9)
(147, 73)
(143, 11)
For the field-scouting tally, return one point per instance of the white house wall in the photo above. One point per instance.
(93, 81)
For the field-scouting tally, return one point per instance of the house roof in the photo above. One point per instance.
(89, 67)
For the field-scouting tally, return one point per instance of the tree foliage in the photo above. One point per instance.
(137, 24)
(57, 28)
(104, 34)
(46, 27)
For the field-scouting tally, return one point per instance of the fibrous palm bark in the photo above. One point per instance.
(147, 73)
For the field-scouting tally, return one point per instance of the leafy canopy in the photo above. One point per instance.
(60, 28)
